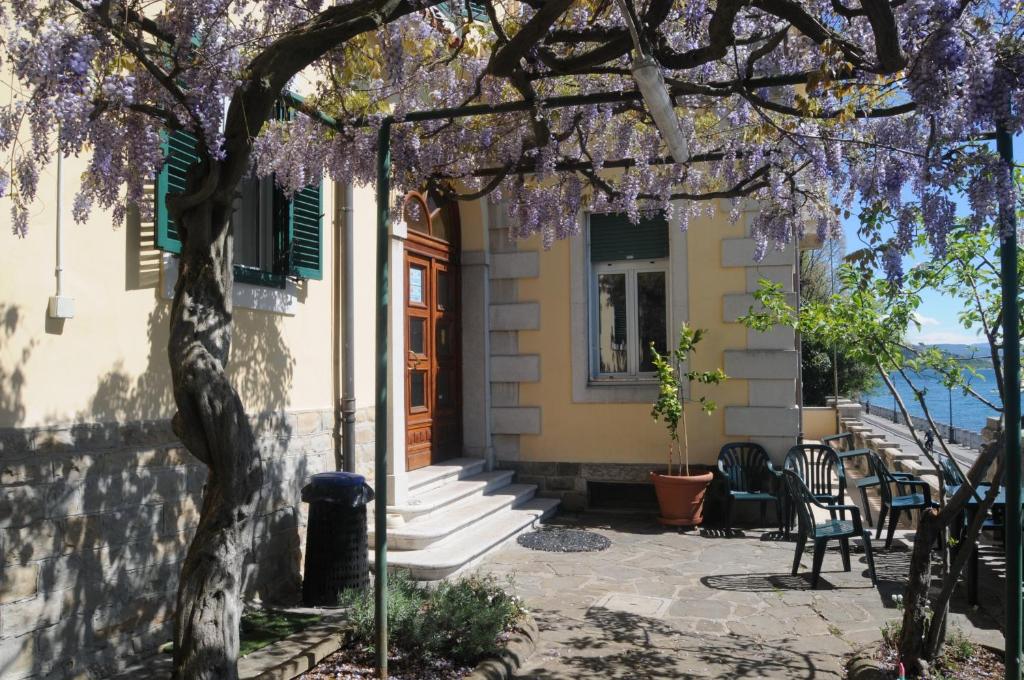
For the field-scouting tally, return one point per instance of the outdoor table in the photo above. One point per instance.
(972, 509)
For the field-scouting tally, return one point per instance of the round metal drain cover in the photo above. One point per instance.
(563, 540)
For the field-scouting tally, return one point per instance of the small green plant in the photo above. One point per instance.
(959, 647)
(891, 632)
(459, 620)
(670, 404)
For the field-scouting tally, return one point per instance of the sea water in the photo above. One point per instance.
(968, 413)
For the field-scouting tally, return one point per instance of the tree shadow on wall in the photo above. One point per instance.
(105, 509)
(12, 379)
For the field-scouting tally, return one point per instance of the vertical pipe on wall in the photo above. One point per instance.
(59, 268)
(381, 403)
(348, 356)
(1011, 413)
(799, 342)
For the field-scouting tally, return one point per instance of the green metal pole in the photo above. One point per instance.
(1011, 415)
(381, 406)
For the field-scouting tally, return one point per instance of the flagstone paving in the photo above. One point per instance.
(660, 604)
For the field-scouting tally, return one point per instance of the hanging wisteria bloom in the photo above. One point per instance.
(802, 111)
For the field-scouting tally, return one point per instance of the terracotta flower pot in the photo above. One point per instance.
(681, 498)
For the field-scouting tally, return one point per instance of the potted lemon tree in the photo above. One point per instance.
(680, 494)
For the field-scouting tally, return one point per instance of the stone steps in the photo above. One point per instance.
(455, 513)
(432, 476)
(461, 548)
(436, 498)
(429, 529)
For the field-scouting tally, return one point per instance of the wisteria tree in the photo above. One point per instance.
(803, 107)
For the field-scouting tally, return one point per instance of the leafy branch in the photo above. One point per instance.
(669, 407)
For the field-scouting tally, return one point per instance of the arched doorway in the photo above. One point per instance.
(432, 332)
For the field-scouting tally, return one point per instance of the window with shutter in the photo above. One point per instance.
(179, 148)
(274, 236)
(305, 233)
(629, 285)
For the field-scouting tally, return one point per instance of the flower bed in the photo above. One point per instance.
(436, 632)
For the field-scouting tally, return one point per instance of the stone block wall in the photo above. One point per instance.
(366, 437)
(95, 520)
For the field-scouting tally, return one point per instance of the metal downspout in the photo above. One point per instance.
(1011, 414)
(799, 342)
(381, 403)
(348, 356)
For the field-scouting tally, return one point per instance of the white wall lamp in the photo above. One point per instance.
(651, 83)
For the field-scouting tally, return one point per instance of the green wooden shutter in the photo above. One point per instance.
(303, 230)
(305, 233)
(179, 149)
(614, 237)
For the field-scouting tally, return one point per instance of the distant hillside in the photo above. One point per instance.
(976, 355)
(976, 351)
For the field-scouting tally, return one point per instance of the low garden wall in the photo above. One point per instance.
(95, 520)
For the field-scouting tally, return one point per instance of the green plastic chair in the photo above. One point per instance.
(751, 478)
(821, 471)
(821, 532)
(895, 504)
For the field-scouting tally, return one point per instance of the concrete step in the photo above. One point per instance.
(426, 530)
(435, 475)
(460, 549)
(435, 498)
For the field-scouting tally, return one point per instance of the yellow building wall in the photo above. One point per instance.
(109, 362)
(818, 422)
(626, 433)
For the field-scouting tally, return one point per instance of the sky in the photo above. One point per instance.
(937, 314)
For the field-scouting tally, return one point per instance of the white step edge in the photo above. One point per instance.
(433, 500)
(448, 556)
(435, 475)
(429, 529)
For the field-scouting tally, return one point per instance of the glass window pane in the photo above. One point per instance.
(416, 292)
(416, 335)
(417, 389)
(443, 291)
(611, 323)
(416, 217)
(651, 314)
(245, 224)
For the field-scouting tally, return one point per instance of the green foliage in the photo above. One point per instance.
(459, 620)
(669, 406)
(868, 317)
(855, 377)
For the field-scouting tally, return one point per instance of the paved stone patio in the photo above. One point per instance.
(660, 604)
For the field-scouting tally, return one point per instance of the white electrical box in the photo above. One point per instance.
(61, 307)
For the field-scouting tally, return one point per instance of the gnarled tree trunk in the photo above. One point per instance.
(920, 639)
(212, 423)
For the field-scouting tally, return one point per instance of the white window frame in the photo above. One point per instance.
(585, 389)
(630, 268)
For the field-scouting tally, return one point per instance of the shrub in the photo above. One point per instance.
(460, 620)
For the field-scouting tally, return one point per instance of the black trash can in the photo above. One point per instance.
(337, 557)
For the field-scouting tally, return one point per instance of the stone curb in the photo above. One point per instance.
(865, 668)
(293, 656)
(517, 650)
(296, 654)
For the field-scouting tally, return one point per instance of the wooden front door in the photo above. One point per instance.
(432, 378)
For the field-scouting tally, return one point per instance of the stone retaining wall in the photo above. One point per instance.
(96, 518)
(966, 438)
